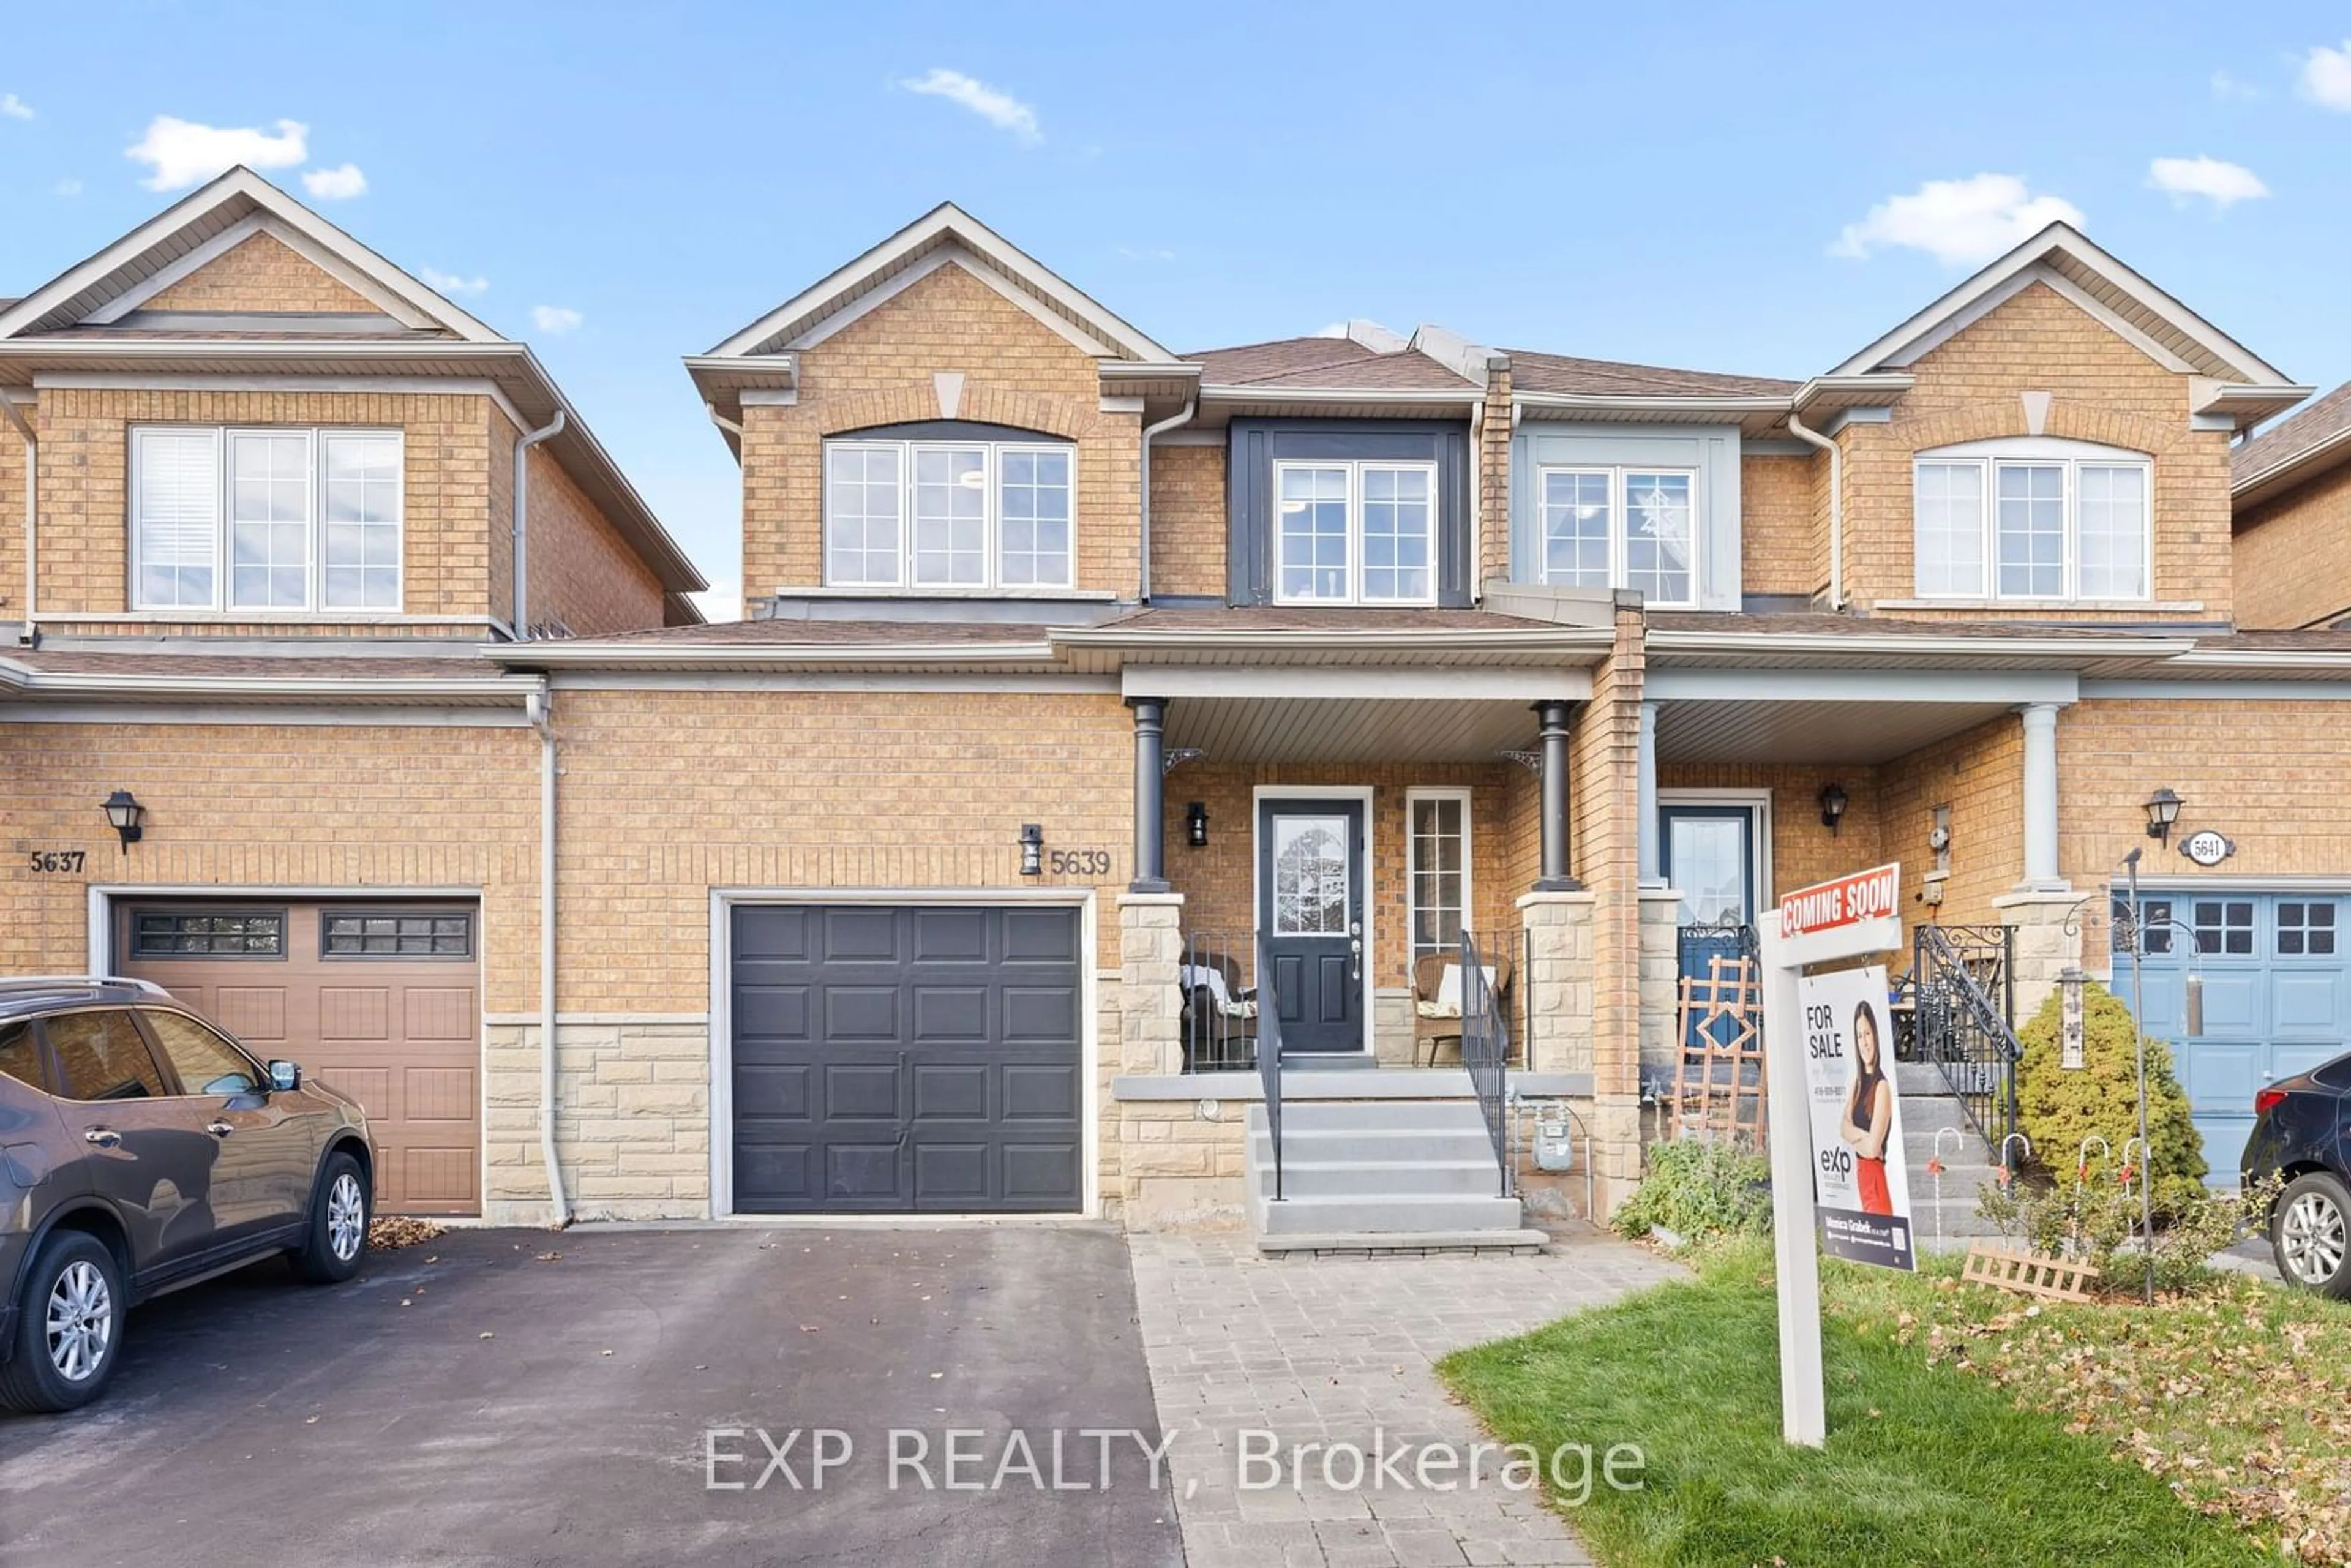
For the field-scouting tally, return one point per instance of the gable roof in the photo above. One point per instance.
(1346, 365)
(2315, 440)
(203, 225)
(946, 233)
(2062, 257)
(1531, 371)
(87, 319)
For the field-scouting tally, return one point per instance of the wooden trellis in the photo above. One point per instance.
(1719, 1087)
(2027, 1273)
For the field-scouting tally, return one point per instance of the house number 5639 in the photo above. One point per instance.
(1078, 863)
(51, 861)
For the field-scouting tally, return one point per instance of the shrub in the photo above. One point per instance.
(2058, 1107)
(2095, 1223)
(1699, 1189)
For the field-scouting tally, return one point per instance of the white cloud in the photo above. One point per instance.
(995, 106)
(2326, 76)
(68, 187)
(180, 153)
(555, 317)
(2223, 184)
(1957, 221)
(722, 600)
(442, 282)
(15, 108)
(334, 185)
(2227, 85)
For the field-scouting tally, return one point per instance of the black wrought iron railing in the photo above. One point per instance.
(1966, 1034)
(1220, 1015)
(1988, 953)
(1269, 1061)
(1486, 1052)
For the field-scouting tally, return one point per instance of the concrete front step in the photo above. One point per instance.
(1392, 1146)
(1383, 1213)
(1362, 1177)
(1369, 1115)
(1381, 1243)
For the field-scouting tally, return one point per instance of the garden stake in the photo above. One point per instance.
(2007, 1165)
(2082, 1180)
(1935, 1169)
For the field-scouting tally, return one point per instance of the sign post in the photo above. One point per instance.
(1845, 918)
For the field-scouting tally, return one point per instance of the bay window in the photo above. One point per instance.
(949, 516)
(1621, 527)
(272, 521)
(1354, 533)
(2033, 519)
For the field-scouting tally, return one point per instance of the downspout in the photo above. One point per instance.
(30, 637)
(1796, 428)
(540, 706)
(1151, 433)
(522, 521)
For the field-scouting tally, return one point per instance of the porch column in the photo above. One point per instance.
(2040, 797)
(1644, 771)
(1150, 808)
(1551, 719)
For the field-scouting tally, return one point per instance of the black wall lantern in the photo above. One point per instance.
(1195, 824)
(123, 812)
(1833, 805)
(1032, 849)
(2162, 811)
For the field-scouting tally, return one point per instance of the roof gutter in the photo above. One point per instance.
(1811, 437)
(1665, 640)
(522, 518)
(582, 653)
(1152, 433)
(31, 635)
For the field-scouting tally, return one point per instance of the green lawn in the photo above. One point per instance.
(1924, 1464)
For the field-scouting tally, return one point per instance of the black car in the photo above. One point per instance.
(2302, 1131)
(142, 1149)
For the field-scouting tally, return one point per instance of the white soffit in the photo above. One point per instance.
(1796, 733)
(1358, 730)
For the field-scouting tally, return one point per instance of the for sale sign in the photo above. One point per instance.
(1861, 1188)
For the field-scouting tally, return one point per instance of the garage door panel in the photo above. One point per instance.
(391, 1017)
(361, 1013)
(861, 1092)
(2307, 1003)
(861, 1013)
(782, 1170)
(923, 1027)
(779, 1012)
(951, 936)
(944, 1093)
(1034, 1091)
(950, 1014)
(2287, 1061)
(2232, 1002)
(773, 1090)
(770, 931)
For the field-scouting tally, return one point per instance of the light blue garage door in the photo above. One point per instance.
(2276, 999)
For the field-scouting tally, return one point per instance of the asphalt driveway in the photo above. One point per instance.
(523, 1397)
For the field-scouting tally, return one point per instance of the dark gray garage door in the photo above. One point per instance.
(891, 1058)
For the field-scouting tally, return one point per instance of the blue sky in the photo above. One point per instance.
(1729, 187)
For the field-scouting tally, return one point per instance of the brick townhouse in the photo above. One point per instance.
(1105, 712)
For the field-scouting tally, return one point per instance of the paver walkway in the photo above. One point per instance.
(1341, 1350)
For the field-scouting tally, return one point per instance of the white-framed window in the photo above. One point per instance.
(272, 521)
(950, 515)
(1621, 527)
(2033, 517)
(1354, 532)
(1436, 869)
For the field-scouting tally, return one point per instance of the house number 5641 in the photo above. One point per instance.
(53, 861)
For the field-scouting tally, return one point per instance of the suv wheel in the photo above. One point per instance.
(69, 1326)
(2310, 1232)
(338, 1223)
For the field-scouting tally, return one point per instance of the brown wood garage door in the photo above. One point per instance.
(380, 1001)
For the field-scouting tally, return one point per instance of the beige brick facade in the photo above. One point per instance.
(1783, 544)
(1188, 535)
(881, 369)
(2102, 389)
(260, 273)
(2293, 556)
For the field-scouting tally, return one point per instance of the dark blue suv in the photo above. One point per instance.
(2302, 1131)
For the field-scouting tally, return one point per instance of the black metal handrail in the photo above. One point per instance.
(1962, 1031)
(1988, 953)
(1269, 1057)
(1486, 1052)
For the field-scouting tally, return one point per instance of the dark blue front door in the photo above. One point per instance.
(1711, 859)
(1310, 881)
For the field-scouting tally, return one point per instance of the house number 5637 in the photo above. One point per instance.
(52, 860)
